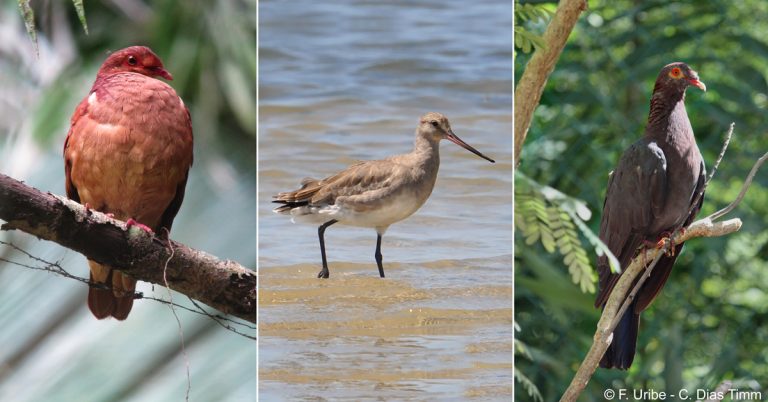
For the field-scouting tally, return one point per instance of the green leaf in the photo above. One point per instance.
(81, 14)
(29, 21)
(529, 386)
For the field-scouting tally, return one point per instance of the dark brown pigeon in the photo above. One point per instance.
(650, 194)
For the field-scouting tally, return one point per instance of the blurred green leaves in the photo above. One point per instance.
(527, 15)
(546, 215)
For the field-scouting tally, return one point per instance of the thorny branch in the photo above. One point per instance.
(638, 269)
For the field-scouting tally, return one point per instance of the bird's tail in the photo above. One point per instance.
(299, 198)
(115, 302)
(621, 352)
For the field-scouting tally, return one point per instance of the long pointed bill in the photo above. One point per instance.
(456, 140)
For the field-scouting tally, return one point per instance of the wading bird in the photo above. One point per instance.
(374, 194)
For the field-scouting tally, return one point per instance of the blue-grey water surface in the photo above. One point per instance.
(341, 81)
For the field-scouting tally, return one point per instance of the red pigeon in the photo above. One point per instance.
(128, 153)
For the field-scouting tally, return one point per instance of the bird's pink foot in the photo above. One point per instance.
(110, 215)
(663, 239)
(87, 207)
(132, 222)
(655, 244)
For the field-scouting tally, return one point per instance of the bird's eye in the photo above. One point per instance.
(676, 73)
(132, 60)
(434, 123)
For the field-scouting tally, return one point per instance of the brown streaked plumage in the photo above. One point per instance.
(651, 193)
(128, 153)
(377, 193)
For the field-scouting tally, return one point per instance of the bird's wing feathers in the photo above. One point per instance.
(636, 194)
(166, 220)
(355, 182)
(80, 111)
(656, 281)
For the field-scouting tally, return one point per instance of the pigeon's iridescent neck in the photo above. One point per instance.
(666, 108)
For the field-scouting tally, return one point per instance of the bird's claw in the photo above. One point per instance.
(132, 222)
(325, 274)
(663, 239)
(668, 236)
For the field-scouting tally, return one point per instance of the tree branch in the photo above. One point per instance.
(541, 65)
(222, 284)
(608, 319)
(743, 191)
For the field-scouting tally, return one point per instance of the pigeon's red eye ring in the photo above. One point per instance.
(676, 73)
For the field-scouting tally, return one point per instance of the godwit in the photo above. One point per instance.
(374, 194)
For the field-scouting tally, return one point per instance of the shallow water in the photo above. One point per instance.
(347, 81)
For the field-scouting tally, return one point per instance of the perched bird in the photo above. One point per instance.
(650, 194)
(127, 153)
(374, 194)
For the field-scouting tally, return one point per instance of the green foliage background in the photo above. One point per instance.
(53, 349)
(710, 322)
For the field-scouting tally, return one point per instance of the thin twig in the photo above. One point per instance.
(220, 320)
(176, 316)
(743, 191)
(56, 268)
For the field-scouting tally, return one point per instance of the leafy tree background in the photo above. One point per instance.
(53, 349)
(710, 323)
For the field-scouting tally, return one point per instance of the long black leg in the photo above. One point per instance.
(320, 233)
(378, 255)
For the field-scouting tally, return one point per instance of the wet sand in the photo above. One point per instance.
(361, 337)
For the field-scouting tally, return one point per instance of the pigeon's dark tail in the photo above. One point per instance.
(621, 352)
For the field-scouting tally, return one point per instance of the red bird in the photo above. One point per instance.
(128, 153)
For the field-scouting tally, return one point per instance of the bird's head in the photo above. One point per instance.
(135, 59)
(436, 127)
(677, 77)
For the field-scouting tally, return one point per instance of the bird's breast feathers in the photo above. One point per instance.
(370, 213)
(130, 146)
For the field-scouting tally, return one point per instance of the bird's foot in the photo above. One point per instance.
(668, 236)
(655, 244)
(663, 239)
(131, 222)
(324, 273)
(88, 208)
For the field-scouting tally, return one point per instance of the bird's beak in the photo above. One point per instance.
(164, 73)
(695, 82)
(456, 140)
